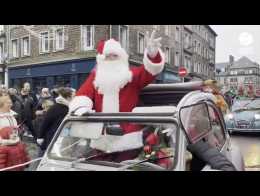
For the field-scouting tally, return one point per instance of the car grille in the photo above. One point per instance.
(243, 124)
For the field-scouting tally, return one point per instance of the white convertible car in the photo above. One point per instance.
(179, 114)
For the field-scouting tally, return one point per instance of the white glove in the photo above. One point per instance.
(39, 141)
(153, 44)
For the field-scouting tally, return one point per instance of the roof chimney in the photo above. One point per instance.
(231, 59)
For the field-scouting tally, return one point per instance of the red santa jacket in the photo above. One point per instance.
(128, 95)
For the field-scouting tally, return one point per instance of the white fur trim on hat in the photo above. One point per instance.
(79, 102)
(111, 143)
(154, 68)
(112, 46)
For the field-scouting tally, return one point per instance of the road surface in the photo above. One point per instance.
(250, 147)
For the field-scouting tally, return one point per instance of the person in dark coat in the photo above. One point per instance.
(28, 111)
(203, 153)
(54, 93)
(27, 88)
(37, 122)
(54, 117)
(45, 95)
(17, 105)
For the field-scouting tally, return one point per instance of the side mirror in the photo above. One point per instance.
(195, 121)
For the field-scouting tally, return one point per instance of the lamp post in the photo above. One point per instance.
(4, 67)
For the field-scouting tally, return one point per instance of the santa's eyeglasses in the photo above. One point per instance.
(111, 56)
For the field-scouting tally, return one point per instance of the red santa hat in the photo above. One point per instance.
(110, 46)
(100, 46)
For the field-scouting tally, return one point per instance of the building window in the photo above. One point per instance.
(186, 41)
(199, 52)
(1, 52)
(187, 62)
(156, 27)
(167, 30)
(233, 79)
(123, 36)
(177, 34)
(195, 46)
(167, 55)
(15, 48)
(87, 37)
(26, 46)
(177, 59)
(250, 71)
(44, 42)
(140, 43)
(199, 68)
(59, 39)
(195, 68)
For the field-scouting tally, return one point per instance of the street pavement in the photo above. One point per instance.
(250, 147)
(32, 150)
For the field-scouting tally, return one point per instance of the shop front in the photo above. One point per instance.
(68, 74)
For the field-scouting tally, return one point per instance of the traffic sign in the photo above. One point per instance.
(183, 72)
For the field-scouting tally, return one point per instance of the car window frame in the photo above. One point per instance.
(118, 117)
(220, 117)
(182, 126)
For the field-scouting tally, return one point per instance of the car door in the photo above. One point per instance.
(217, 136)
(220, 138)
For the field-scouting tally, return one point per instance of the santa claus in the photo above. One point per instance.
(113, 86)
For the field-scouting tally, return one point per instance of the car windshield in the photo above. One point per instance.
(246, 104)
(254, 104)
(240, 104)
(105, 142)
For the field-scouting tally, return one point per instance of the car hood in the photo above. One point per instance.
(247, 115)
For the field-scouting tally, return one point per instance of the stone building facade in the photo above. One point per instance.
(63, 55)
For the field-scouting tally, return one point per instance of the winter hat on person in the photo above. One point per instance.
(110, 46)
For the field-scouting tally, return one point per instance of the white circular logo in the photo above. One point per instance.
(245, 39)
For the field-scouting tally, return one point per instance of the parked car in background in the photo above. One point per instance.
(244, 116)
(180, 114)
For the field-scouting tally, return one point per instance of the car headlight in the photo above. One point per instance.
(231, 116)
(257, 116)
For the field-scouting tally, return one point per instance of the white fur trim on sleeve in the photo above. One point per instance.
(79, 102)
(111, 143)
(154, 68)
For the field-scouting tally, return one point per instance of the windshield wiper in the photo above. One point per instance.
(83, 159)
(240, 109)
(143, 161)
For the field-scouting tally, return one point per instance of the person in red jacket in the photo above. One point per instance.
(114, 86)
(12, 150)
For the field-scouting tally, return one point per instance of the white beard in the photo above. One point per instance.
(111, 76)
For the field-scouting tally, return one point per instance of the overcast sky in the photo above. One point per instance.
(237, 40)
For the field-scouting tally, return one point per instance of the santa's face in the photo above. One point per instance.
(112, 67)
(112, 57)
